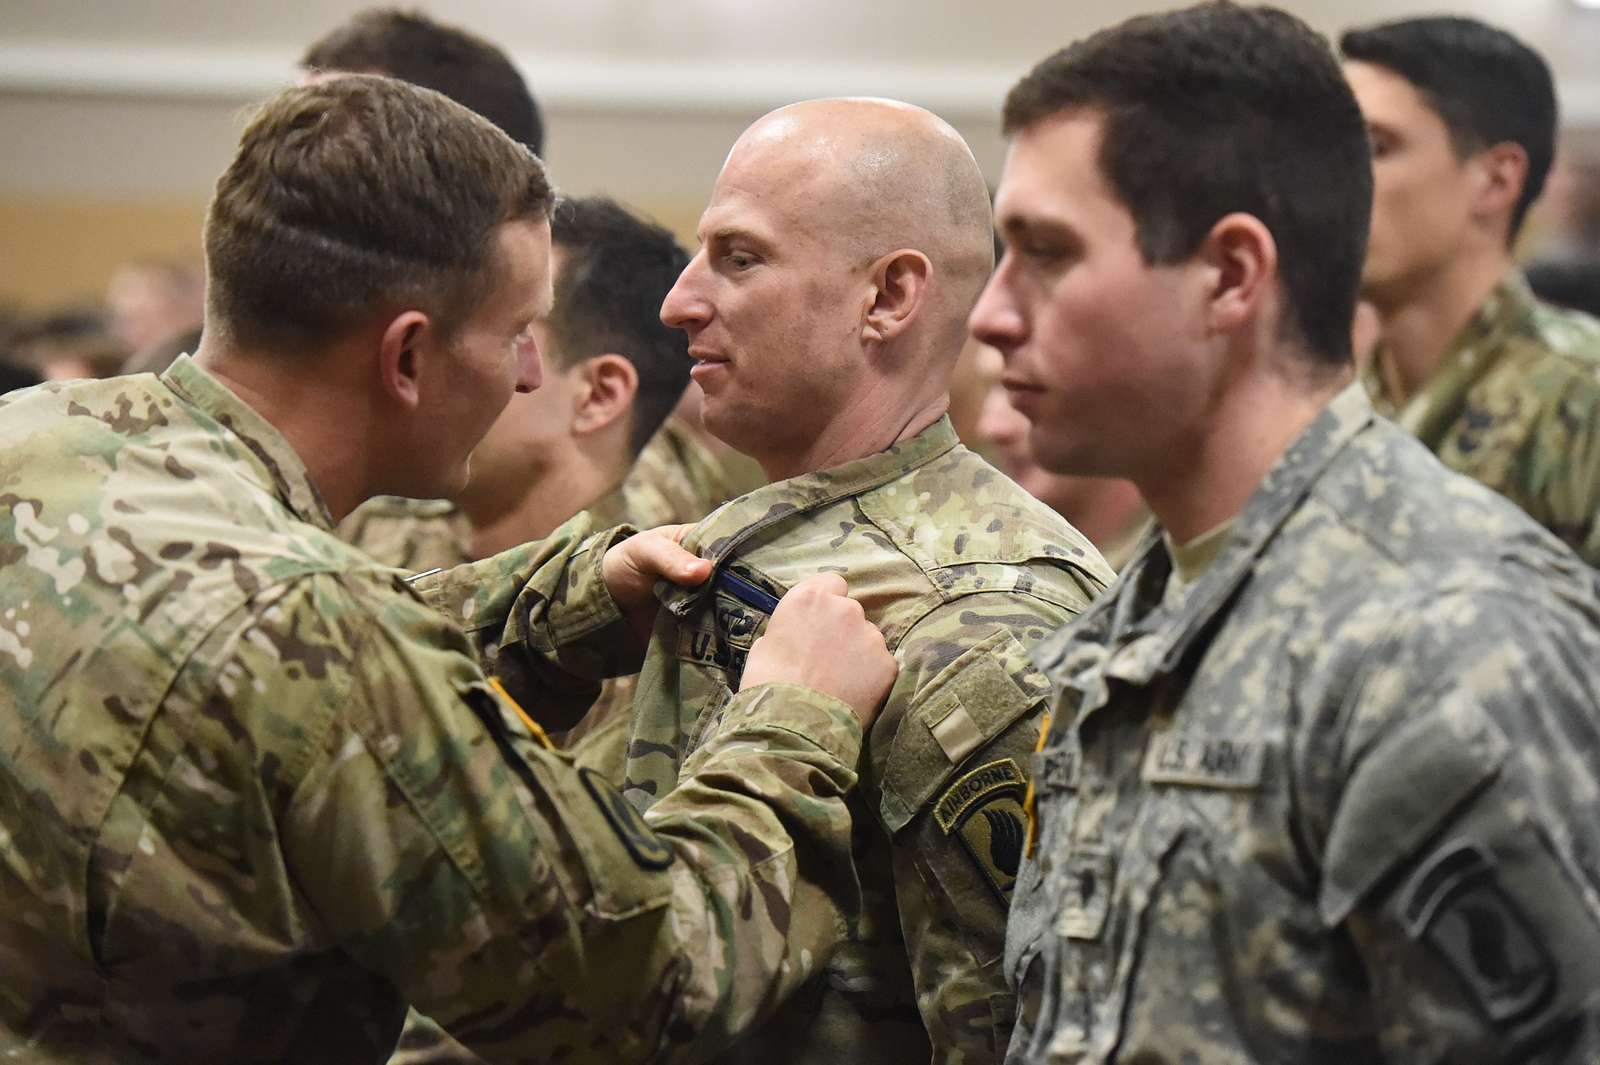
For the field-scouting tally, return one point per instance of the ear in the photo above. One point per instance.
(1242, 277)
(900, 288)
(1504, 173)
(401, 356)
(607, 385)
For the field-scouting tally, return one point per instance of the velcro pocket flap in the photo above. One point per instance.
(973, 700)
(1400, 794)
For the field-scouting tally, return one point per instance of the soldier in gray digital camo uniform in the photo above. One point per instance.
(842, 248)
(1322, 783)
(255, 793)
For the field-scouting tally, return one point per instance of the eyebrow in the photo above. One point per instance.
(1014, 227)
(726, 234)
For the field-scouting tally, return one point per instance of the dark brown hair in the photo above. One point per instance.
(1486, 86)
(412, 47)
(353, 196)
(1220, 108)
(618, 269)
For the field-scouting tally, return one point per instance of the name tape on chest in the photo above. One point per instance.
(1204, 761)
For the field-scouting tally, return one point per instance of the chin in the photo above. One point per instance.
(720, 423)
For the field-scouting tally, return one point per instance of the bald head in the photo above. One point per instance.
(874, 177)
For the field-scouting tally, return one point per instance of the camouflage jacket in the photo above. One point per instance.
(677, 478)
(255, 794)
(962, 571)
(410, 534)
(1516, 406)
(674, 480)
(1338, 803)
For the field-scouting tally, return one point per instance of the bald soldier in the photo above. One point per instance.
(255, 795)
(842, 249)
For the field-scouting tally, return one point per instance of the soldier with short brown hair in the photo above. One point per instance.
(256, 795)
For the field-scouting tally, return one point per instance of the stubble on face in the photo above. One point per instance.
(487, 358)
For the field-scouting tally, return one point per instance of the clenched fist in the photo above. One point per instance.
(820, 638)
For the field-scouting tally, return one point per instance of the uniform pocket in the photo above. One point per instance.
(981, 694)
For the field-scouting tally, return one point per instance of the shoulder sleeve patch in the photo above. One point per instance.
(984, 810)
(647, 849)
(1456, 904)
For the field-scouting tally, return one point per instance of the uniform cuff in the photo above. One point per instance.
(819, 719)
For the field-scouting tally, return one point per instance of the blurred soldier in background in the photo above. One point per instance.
(1322, 783)
(254, 791)
(412, 47)
(152, 300)
(1504, 389)
(1107, 510)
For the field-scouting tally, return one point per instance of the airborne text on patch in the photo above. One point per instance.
(983, 809)
(961, 795)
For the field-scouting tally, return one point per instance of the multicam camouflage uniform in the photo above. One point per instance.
(663, 488)
(675, 479)
(415, 535)
(1339, 801)
(961, 570)
(1516, 405)
(255, 794)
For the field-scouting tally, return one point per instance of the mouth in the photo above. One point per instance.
(1015, 385)
(709, 369)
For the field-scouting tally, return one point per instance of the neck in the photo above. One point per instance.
(1210, 478)
(1106, 509)
(542, 505)
(309, 399)
(865, 426)
(1418, 327)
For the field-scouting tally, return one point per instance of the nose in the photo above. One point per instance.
(686, 306)
(530, 364)
(996, 320)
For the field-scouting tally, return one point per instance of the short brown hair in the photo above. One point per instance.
(1219, 108)
(351, 196)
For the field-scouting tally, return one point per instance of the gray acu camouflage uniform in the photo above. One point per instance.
(961, 570)
(1339, 803)
(255, 794)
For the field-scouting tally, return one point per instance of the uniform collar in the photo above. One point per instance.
(724, 529)
(283, 474)
(1475, 351)
(1148, 638)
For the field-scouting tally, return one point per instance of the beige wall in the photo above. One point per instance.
(60, 251)
(115, 118)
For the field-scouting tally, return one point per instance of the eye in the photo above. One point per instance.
(1042, 252)
(739, 260)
